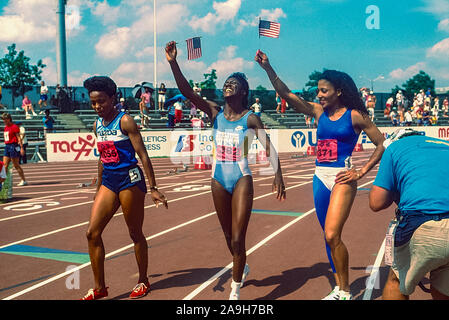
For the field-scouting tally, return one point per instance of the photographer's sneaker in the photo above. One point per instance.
(345, 295)
(334, 295)
(22, 183)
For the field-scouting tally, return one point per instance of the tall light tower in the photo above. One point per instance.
(155, 57)
(61, 52)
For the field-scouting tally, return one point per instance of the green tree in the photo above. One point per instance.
(210, 80)
(309, 92)
(419, 81)
(17, 73)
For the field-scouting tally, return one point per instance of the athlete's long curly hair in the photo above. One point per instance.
(350, 96)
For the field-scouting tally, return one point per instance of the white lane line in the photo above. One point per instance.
(61, 275)
(372, 279)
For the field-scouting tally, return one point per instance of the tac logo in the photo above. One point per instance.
(298, 139)
(80, 147)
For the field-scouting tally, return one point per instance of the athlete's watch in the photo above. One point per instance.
(154, 188)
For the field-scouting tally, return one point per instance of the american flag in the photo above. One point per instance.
(269, 29)
(193, 48)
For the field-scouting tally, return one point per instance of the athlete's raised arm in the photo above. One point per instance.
(209, 107)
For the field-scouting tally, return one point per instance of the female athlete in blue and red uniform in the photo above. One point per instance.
(232, 185)
(120, 182)
(341, 116)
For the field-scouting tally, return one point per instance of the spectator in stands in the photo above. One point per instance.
(419, 116)
(13, 147)
(371, 104)
(434, 117)
(193, 109)
(445, 107)
(44, 95)
(171, 116)
(48, 122)
(122, 106)
(436, 103)
(278, 102)
(23, 157)
(400, 100)
(178, 111)
(284, 106)
(394, 118)
(408, 120)
(257, 107)
(420, 98)
(161, 96)
(388, 106)
(28, 107)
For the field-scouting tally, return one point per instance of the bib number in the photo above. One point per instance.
(327, 150)
(228, 153)
(108, 152)
(134, 175)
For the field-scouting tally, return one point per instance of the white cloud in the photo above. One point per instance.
(444, 25)
(114, 44)
(229, 63)
(134, 39)
(440, 8)
(265, 14)
(401, 74)
(223, 12)
(108, 14)
(440, 50)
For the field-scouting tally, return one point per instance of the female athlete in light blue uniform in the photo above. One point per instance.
(341, 116)
(232, 183)
(231, 141)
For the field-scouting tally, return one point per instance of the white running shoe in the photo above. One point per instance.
(345, 295)
(22, 183)
(245, 274)
(235, 290)
(334, 295)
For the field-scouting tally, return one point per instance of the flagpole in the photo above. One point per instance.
(155, 56)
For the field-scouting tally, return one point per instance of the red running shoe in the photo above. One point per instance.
(94, 294)
(140, 290)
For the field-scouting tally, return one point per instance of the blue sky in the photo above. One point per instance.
(115, 38)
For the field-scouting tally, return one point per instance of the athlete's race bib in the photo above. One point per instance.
(134, 175)
(228, 153)
(327, 150)
(6, 135)
(108, 152)
(389, 242)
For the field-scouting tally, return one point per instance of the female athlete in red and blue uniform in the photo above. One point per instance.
(341, 116)
(120, 183)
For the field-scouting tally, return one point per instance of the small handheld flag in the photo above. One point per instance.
(193, 48)
(269, 29)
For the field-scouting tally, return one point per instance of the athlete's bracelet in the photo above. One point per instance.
(154, 188)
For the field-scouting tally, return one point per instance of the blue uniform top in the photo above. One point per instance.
(231, 143)
(115, 148)
(417, 167)
(336, 140)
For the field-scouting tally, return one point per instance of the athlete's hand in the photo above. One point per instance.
(348, 176)
(262, 59)
(278, 185)
(170, 51)
(159, 198)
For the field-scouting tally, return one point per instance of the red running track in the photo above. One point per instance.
(43, 249)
